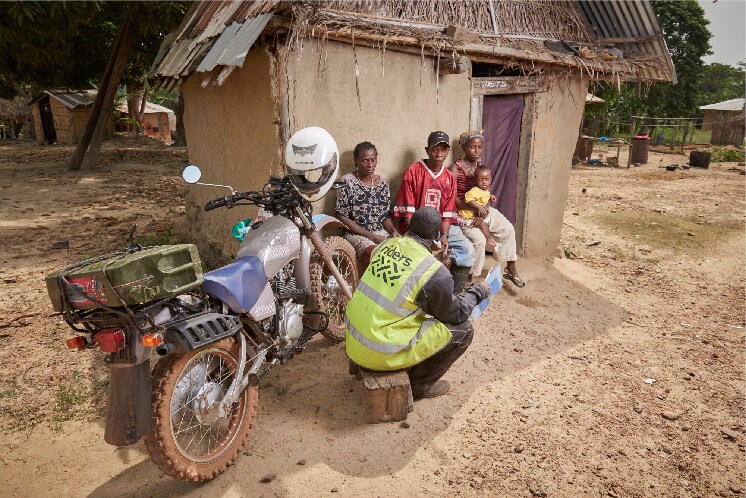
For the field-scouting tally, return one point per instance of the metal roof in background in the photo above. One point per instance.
(150, 108)
(726, 105)
(71, 100)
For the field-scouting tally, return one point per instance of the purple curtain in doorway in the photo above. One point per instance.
(501, 120)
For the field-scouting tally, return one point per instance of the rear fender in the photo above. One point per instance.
(129, 404)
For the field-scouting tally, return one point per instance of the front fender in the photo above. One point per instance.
(324, 220)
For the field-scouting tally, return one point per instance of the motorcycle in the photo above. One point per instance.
(216, 334)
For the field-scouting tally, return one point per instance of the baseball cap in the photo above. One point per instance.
(437, 137)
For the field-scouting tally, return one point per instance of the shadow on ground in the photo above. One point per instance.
(310, 409)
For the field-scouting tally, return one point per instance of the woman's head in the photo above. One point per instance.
(473, 144)
(366, 158)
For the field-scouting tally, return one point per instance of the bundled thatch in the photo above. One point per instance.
(546, 19)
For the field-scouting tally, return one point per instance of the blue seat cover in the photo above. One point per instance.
(238, 284)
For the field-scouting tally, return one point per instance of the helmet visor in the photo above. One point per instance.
(311, 181)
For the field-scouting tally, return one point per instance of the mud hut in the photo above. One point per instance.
(726, 121)
(157, 121)
(60, 116)
(391, 71)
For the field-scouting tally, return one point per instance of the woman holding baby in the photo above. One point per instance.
(482, 224)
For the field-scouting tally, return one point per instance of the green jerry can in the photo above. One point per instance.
(132, 278)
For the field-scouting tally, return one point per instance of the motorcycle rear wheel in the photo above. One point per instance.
(325, 290)
(189, 442)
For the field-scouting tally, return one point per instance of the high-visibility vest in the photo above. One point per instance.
(386, 330)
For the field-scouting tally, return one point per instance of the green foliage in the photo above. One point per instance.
(721, 82)
(68, 44)
(726, 155)
(165, 98)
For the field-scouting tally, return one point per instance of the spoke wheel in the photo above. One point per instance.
(327, 294)
(193, 439)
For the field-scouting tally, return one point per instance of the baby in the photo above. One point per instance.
(478, 198)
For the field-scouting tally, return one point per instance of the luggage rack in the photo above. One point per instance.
(93, 320)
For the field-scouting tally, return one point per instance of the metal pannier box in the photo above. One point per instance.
(134, 278)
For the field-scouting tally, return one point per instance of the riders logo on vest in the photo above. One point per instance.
(389, 265)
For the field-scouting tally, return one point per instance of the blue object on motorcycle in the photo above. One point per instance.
(238, 284)
(317, 217)
(240, 229)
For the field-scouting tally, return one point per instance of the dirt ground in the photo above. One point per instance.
(617, 371)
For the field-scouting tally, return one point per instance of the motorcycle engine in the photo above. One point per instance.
(291, 323)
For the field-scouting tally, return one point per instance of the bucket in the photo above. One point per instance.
(699, 159)
(638, 152)
(660, 139)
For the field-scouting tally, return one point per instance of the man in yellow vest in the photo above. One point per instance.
(403, 314)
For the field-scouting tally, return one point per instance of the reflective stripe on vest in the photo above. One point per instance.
(389, 348)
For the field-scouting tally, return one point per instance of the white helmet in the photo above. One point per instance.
(312, 160)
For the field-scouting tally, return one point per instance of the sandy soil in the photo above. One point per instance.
(550, 400)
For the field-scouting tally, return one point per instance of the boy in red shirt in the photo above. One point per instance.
(428, 183)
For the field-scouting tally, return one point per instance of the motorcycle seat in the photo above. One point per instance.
(238, 284)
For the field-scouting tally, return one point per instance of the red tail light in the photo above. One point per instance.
(111, 340)
(77, 342)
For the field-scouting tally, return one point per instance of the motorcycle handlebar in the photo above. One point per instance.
(278, 194)
(216, 203)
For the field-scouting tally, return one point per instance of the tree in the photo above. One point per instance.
(721, 82)
(685, 30)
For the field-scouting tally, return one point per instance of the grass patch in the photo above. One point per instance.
(666, 231)
(79, 398)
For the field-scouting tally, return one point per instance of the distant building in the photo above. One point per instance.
(157, 121)
(60, 116)
(726, 120)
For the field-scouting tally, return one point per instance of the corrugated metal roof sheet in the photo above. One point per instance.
(71, 100)
(726, 105)
(212, 34)
(631, 25)
(233, 45)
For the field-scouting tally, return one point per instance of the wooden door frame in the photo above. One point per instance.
(513, 86)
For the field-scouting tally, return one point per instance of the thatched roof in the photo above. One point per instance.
(535, 34)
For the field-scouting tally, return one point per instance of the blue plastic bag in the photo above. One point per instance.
(495, 281)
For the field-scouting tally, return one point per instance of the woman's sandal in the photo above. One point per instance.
(516, 280)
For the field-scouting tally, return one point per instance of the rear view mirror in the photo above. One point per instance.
(191, 173)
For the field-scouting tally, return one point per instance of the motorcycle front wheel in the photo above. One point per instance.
(325, 290)
(193, 440)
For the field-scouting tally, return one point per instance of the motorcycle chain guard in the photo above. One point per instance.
(198, 331)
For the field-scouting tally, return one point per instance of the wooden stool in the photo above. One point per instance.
(387, 396)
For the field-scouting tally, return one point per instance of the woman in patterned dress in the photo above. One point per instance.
(364, 204)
